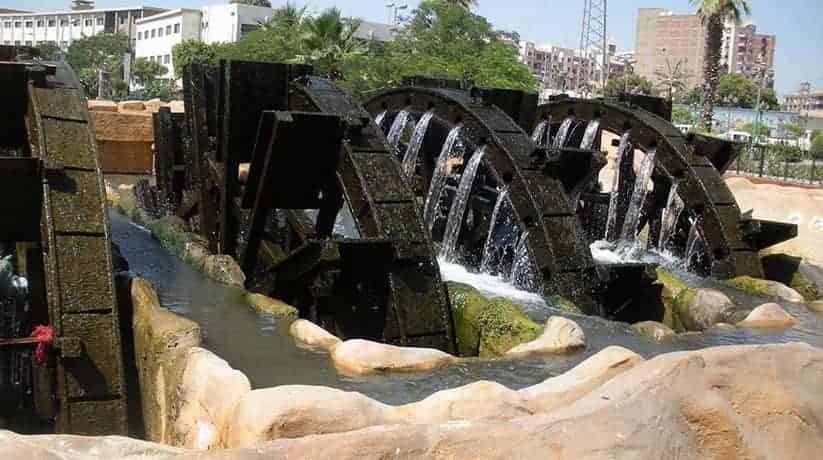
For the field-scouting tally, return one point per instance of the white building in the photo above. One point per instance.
(60, 28)
(157, 35)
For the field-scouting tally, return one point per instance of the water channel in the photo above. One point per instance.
(262, 348)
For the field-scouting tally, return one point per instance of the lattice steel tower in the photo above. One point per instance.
(594, 51)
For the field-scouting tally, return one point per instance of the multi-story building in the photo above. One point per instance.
(60, 28)
(157, 35)
(555, 67)
(804, 100)
(746, 52)
(663, 39)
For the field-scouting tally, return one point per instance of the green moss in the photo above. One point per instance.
(677, 308)
(806, 288)
(667, 279)
(487, 327)
(271, 306)
(564, 304)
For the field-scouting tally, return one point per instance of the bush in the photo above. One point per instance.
(790, 153)
(817, 147)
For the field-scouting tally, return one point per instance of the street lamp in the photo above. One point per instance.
(394, 7)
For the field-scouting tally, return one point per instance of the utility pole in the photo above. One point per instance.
(593, 40)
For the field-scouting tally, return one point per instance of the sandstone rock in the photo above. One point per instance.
(131, 106)
(583, 378)
(125, 187)
(313, 335)
(654, 330)
(768, 315)
(195, 253)
(816, 306)
(123, 127)
(367, 357)
(271, 306)
(153, 105)
(208, 392)
(102, 106)
(294, 411)
(161, 340)
(177, 106)
(66, 447)
(559, 336)
(224, 269)
(766, 288)
(700, 309)
(476, 401)
(488, 327)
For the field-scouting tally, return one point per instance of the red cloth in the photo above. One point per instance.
(45, 337)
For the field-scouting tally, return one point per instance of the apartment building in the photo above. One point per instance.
(157, 34)
(663, 36)
(60, 28)
(555, 67)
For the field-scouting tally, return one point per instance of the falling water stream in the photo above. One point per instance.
(457, 212)
(671, 215)
(502, 235)
(415, 144)
(625, 152)
(442, 168)
(591, 134)
(398, 128)
(563, 133)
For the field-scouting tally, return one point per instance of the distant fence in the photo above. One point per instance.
(780, 163)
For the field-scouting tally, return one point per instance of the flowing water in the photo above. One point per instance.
(416, 142)
(628, 236)
(458, 208)
(263, 350)
(448, 153)
(401, 124)
(671, 215)
(540, 135)
(563, 133)
(502, 235)
(591, 134)
(625, 152)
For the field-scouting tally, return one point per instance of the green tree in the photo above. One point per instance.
(682, 116)
(690, 96)
(49, 51)
(736, 90)
(462, 3)
(714, 13)
(629, 83)
(102, 52)
(189, 51)
(817, 147)
(329, 40)
(673, 79)
(793, 129)
(768, 100)
(757, 129)
(145, 71)
(265, 3)
(288, 16)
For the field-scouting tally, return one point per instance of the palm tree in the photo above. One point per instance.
(673, 79)
(462, 3)
(288, 16)
(714, 13)
(329, 40)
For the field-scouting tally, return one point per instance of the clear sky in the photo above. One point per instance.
(798, 24)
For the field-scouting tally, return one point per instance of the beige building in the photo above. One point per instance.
(664, 36)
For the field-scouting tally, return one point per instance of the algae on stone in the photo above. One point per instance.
(767, 288)
(804, 287)
(488, 327)
(271, 306)
(564, 304)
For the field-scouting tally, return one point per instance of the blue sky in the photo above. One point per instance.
(797, 23)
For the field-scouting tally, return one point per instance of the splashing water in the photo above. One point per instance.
(695, 244)
(591, 134)
(563, 133)
(625, 152)
(458, 208)
(502, 234)
(641, 189)
(413, 150)
(378, 120)
(671, 214)
(400, 125)
(449, 151)
(540, 135)
(522, 274)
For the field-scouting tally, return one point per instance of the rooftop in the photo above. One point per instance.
(92, 11)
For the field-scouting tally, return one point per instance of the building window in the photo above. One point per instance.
(153, 31)
(64, 45)
(159, 31)
(168, 30)
(29, 24)
(88, 23)
(101, 21)
(17, 24)
(166, 59)
(64, 22)
(52, 22)
(177, 28)
(28, 42)
(17, 43)
(75, 22)
(139, 35)
(7, 24)
(123, 18)
(39, 23)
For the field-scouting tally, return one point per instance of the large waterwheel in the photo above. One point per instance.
(60, 350)
(290, 176)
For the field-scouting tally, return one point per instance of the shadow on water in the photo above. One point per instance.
(262, 348)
